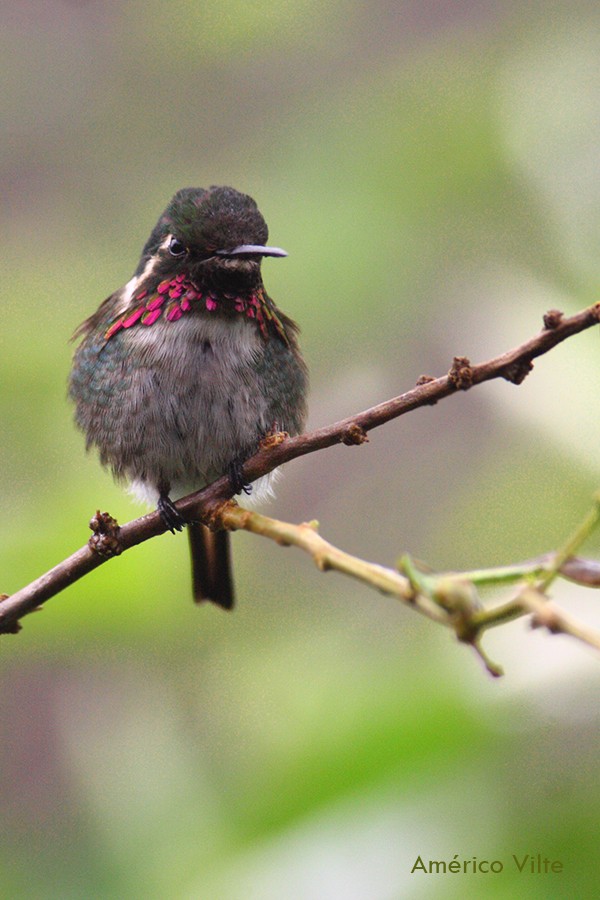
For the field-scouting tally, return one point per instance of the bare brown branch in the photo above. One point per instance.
(206, 505)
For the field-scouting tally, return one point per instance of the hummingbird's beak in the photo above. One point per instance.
(252, 250)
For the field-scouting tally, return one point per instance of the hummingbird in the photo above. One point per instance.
(182, 372)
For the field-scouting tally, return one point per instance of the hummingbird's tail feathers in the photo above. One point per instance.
(212, 577)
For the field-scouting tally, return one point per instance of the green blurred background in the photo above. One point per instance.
(432, 169)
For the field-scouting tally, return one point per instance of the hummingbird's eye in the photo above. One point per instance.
(176, 247)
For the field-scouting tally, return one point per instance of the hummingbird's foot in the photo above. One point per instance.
(172, 519)
(236, 477)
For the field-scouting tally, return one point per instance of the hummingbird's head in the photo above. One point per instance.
(217, 235)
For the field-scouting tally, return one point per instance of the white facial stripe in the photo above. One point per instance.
(148, 269)
(134, 283)
(129, 289)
